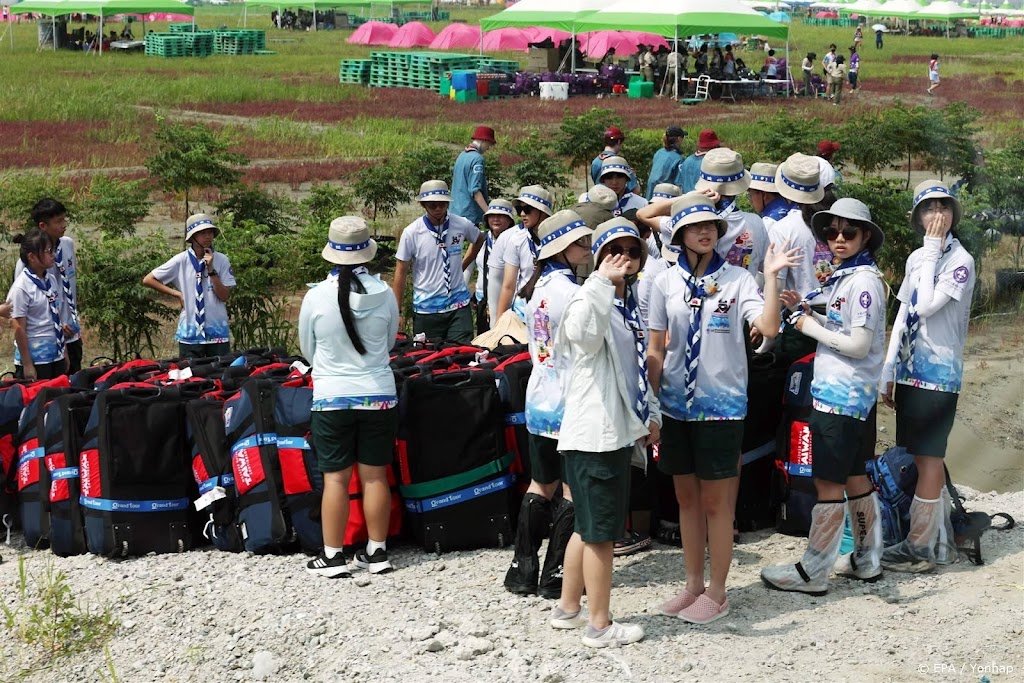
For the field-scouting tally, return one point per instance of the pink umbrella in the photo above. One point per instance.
(457, 37)
(506, 39)
(539, 33)
(373, 33)
(413, 34)
(826, 15)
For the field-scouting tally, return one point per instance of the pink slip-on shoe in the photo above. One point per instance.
(674, 605)
(704, 610)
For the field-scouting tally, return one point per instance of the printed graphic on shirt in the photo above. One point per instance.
(545, 391)
(739, 253)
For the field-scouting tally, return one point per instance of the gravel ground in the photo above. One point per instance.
(211, 616)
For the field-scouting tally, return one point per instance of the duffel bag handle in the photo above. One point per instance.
(454, 379)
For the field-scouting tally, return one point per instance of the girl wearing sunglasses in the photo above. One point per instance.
(847, 362)
(564, 246)
(610, 417)
(697, 362)
(925, 367)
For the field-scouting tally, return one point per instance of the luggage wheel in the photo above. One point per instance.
(124, 548)
(501, 540)
(437, 548)
(181, 546)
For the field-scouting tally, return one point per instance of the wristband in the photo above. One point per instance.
(213, 273)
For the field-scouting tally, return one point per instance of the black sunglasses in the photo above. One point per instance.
(618, 250)
(849, 233)
(525, 210)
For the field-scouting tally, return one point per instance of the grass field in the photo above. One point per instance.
(79, 111)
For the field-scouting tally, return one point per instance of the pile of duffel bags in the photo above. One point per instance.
(125, 459)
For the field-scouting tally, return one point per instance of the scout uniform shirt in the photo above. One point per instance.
(179, 272)
(469, 176)
(939, 347)
(721, 392)
(844, 385)
(435, 289)
(65, 249)
(32, 303)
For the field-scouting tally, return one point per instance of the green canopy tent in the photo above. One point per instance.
(101, 9)
(672, 18)
(564, 15)
(315, 5)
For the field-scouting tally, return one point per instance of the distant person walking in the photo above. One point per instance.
(826, 62)
(469, 195)
(836, 76)
(854, 68)
(878, 38)
(933, 73)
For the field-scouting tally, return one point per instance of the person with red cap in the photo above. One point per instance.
(469, 197)
(613, 139)
(689, 170)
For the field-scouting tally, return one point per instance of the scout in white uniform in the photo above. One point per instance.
(925, 366)
(520, 248)
(34, 299)
(700, 374)
(851, 346)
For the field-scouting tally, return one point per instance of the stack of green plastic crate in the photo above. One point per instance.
(181, 28)
(165, 45)
(488, 65)
(355, 71)
(415, 69)
(240, 42)
(198, 43)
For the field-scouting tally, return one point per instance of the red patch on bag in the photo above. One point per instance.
(247, 466)
(199, 469)
(28, 471)
(89, 473)
(59, 489)
(293, 471)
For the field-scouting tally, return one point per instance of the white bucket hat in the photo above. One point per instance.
(537, 197)
(197, 223)
(762, 177)
(615, 229)
(559, 230)
(349, 242)
(695, 207)
(665, 232)
(799, 179)
(615, 164)
(603, 196)
(665, 191)
(933, 189)
(722, 170)
(852, 210)
(501, 207)
(434, 191)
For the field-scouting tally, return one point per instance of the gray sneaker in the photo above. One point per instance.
(567, 620)
(616, 634)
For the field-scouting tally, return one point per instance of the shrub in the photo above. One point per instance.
(539, 164)
(783, 134)
(381, 189)
(889, 203)
(116, 206)
(20, 191)
(638, 149)
(112, 300)
(428, 162)
(325, 203)
(252, 203)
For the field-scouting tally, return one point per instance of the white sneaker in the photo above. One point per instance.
(793, 578)
(567, 620)
(845, 566)
(616, 635)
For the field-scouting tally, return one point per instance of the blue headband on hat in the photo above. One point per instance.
(615, 168)
(617, 230)
(431, 193)
(198, 223)
(565, 229)
(797, 186)
(502, 209)
(690, 210)
(663, 195)
(937, 189)
(527, 195)
(341, 246)
(763, 178)
(721, 178)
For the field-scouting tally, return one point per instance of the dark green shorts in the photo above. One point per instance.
(708, 448)
(456, 326)
(342, 438)
(545, 460)
(924, 419)
(600, 493)
(840, 445)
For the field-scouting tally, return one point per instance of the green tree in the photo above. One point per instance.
(638, 149)
(428, 162)
(539, 164)
(381, 189)
(916, 128)
(954, 147)
(581, 138)
(869, 142)
(325, 203)
(116, 206)
(192, 157)
(782, 134)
